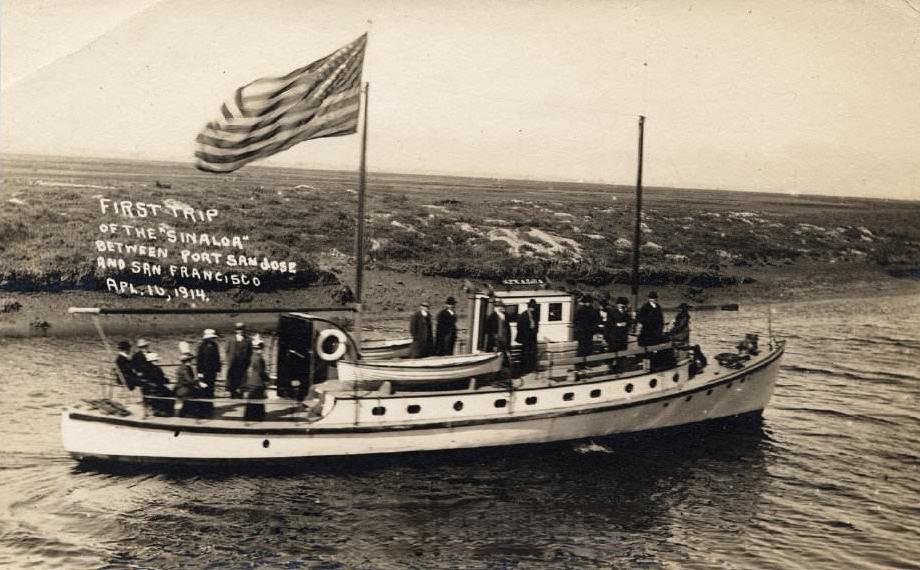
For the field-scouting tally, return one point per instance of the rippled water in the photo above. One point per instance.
(828, 480)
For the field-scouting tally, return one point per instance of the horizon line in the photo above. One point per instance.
(190, 163)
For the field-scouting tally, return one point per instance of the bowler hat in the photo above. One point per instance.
(622, 301)
(652, 295)
(451, 301)
(683, 306)
(532, 303)
(124, 345)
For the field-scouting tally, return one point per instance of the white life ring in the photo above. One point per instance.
(340, 348)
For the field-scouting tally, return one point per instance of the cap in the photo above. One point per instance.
(124, 345)
(652, 295)
(532, 303)
(451, 301)
(141, 343)
(209, 333)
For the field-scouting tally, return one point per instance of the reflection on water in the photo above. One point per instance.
(827, 480)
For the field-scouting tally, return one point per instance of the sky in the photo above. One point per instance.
(783, 96)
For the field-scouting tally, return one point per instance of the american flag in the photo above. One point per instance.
(270, 115)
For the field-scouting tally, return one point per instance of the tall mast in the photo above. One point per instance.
(359, 238)
(637, 236)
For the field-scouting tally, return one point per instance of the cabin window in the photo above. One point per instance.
(555, 312)
(568, 396)
(511, 312)
(458, 405)
(378, 410)
(595, 393)
(501, 403)
(265, 443)
(653, 382)
(414, 409)
(629, 388)
(676, 377)
(709, 392)
(688, 398)
(743, 378)
(729, 386)
(531, 400)
(666, 404)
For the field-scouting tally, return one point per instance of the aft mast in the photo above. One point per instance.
(637, 236)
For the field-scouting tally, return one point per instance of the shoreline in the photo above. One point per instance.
(391, 297)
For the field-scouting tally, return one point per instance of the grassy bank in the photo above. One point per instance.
(427, 235)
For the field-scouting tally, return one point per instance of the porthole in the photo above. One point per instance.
(666, 404)
(676, 377)
(628, 388)
(709, 392)
(688, 398)
(728, 386)
(653, 382)
(501, 403)
(531, 400)
(378, 410)
(742, 380)
(414, 409)
(176, 433)
(595, 393)
(458, 405)
(568, 396)
(265, 443)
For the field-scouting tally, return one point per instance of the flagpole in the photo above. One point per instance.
(637, 236)
(359, 238)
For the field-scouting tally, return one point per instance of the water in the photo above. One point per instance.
(828, 480)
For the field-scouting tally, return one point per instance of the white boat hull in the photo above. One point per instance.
(349, 427)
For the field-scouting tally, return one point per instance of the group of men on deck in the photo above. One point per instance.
(247, 374)
(613, 322)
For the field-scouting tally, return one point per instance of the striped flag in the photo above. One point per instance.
(270, 115)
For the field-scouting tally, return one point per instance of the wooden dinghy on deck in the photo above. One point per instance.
(431, 369)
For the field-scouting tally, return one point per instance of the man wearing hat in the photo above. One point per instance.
(124, 369)
(153, 383)
(446, 334)
(420, 329)
(680, 328)
(528, 325)
(239, 351)
(497, 329)
(208, 364)
(651, 318)
(618, 325)
(256, 381)
(585, 325)
(187, 386)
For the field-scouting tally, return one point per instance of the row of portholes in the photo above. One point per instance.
(530, 401)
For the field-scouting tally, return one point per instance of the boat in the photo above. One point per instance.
(568, 397)
(385, 349)
(421, 370)
(333, 395)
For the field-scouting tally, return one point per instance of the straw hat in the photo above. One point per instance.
(209, 333)
(239, 326)
(141, 343)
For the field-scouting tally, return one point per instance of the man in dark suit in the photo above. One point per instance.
(420, 329)
(651, 318)
(680, 329)
(585, 325)
(498, 332)
(208, 364)
(527, 328)
(239, 352)
(446, 335)
(618, 325)
(125, 373)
